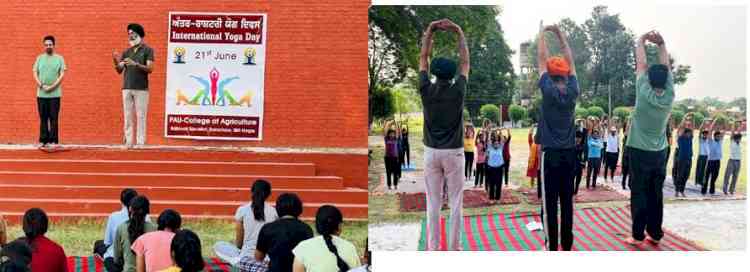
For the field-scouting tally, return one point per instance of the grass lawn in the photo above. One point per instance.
(383, 208)
(78, 236)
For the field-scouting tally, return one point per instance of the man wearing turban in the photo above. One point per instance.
(135, 63)
(556, 131)
(443, 103)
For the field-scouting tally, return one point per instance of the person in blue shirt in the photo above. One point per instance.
(714, 162)
(103, 249)
(684, 156)
(595, 146)
(700, 166)
(494, 165)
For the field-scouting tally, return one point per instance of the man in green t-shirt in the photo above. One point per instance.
(49, 69)
(647, 141)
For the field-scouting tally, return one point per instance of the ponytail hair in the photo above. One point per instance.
(139, 208)
(186, 249)
(261, 191)
(327, 222)
(35, 224)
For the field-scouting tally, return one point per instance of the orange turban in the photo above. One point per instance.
(557, 66)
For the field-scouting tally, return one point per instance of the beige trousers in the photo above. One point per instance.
(135, 100)
(444, 165)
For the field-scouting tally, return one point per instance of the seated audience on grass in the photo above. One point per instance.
(327, 252)
(186, 253)
(3, 232)
(277, 239)
(46, 255)
(103, 248)
(16, 257)
(123, 258)
(152, 250)
(249, 219)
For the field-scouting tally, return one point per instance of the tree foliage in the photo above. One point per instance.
(491, 112)
(596, 111)
(517, 113)
(395, 33)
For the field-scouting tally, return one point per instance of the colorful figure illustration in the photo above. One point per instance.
(214, 92)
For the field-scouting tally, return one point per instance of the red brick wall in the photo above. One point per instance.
(315, 69)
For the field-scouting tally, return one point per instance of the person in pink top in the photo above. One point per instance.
(481, 148)
(152, 249)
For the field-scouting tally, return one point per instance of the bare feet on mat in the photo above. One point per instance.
(652, 240)
(633, 241)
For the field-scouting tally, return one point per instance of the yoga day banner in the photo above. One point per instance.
(215, 76)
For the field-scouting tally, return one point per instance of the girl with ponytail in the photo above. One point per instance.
(327, 252)
(127, 233)
(249, 219)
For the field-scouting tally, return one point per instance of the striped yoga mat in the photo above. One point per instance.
(472, 199)
(594, 229)
(92, 264)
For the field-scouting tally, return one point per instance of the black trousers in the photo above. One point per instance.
(700, 170)
(403, 155)
(610, 164)
(111, 266)
(592, 171)
(506, 169)
(49, 110)
(625, 170)
(683, 173)
(469, 162)
(712, 172)
(392, 170)
(557, 169)
(648, 170)
(578, 175)
(480, 173)
(99, 247)
(494, 179)
(539, 183)
(675, 163)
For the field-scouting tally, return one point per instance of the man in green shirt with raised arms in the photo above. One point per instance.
(647, 141)
(49, 69)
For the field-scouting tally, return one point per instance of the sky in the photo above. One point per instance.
(711, 38)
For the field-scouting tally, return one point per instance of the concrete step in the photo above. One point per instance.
(203, 209)
(171, 180)
(349, 166)
(159, 166)
(240, 194)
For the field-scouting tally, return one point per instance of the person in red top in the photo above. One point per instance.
(506, 157)
(46, 255)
